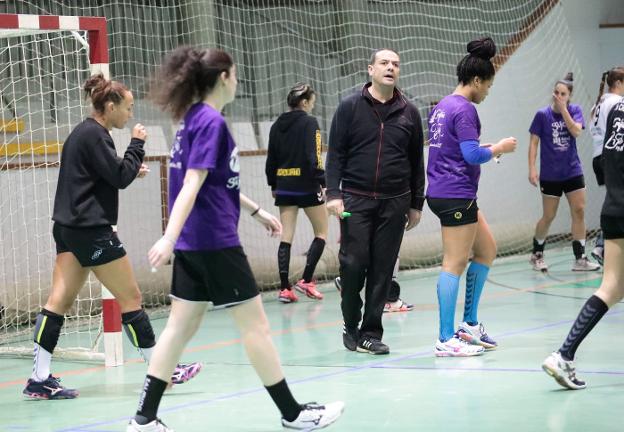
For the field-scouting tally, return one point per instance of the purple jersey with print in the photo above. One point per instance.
(453, 120)
(558, 156)
(203, 142)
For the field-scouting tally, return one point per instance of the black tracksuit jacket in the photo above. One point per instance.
(91, 174)
(376, 155)
(294, 160)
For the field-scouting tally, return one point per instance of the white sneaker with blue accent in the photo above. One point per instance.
(563, 371)
(476, 335)
(314, 416)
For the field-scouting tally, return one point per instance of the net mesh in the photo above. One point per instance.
(276, 43)
(40, 81)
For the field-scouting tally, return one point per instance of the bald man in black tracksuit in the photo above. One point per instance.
(375, 171)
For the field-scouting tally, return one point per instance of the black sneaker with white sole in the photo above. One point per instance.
(349, 337)
(372, 345)
(51, 388)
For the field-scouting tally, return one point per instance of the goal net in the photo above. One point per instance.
(275, 43)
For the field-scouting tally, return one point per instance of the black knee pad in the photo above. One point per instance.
(317, 247)
(139, 329)
(48, 329)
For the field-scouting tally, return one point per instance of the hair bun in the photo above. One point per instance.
(569, 77)
(93, 82)
(484, 48)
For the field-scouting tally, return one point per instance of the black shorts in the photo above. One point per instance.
(612, 227)
(92, 246)
(222, 277)
(597, 165)
(557, 188)
(454, 211)
(301, 201)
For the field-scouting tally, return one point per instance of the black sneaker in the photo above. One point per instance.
(372, 346)
(349, 337)
(48, 389)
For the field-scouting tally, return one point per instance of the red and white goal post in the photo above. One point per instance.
(44, 61)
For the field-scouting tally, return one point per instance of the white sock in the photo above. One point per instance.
(41, 368)
(146, 353)
(540, 241)
(582, 241)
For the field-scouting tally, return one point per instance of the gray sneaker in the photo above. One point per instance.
(538, 263)
(583, 264)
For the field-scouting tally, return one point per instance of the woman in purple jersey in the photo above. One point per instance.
(210, 266)
(453, 178)
(556, 128)
(560, 364)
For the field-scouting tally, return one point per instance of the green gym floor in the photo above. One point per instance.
(528, 313)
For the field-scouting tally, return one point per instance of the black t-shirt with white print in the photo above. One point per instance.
(613, 162)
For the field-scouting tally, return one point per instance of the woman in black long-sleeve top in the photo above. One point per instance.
(294, 170)
(85, 209)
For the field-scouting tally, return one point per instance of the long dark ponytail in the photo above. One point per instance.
(187, 75)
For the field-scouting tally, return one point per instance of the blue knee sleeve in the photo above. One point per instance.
(448, 286)
(475, 280)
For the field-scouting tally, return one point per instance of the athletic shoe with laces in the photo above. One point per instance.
(309, 289)
(457, 347)
(371, 345)
(598, 254)
(51, 388)
(537, 261)
(349, 337)
(563, 371)
(287, 296)
(398, 306)
(476, 335)
(185, 372)
(314, 416)
(583, 264)
(153, 426)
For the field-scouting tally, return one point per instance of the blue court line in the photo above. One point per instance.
(477, 369)
(372, 365)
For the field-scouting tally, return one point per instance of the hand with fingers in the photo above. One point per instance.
(270, 222)
(138, 131)
(161, 252)
(143, 171)
(336, 207)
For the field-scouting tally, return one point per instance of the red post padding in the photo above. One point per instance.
(111, 313)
